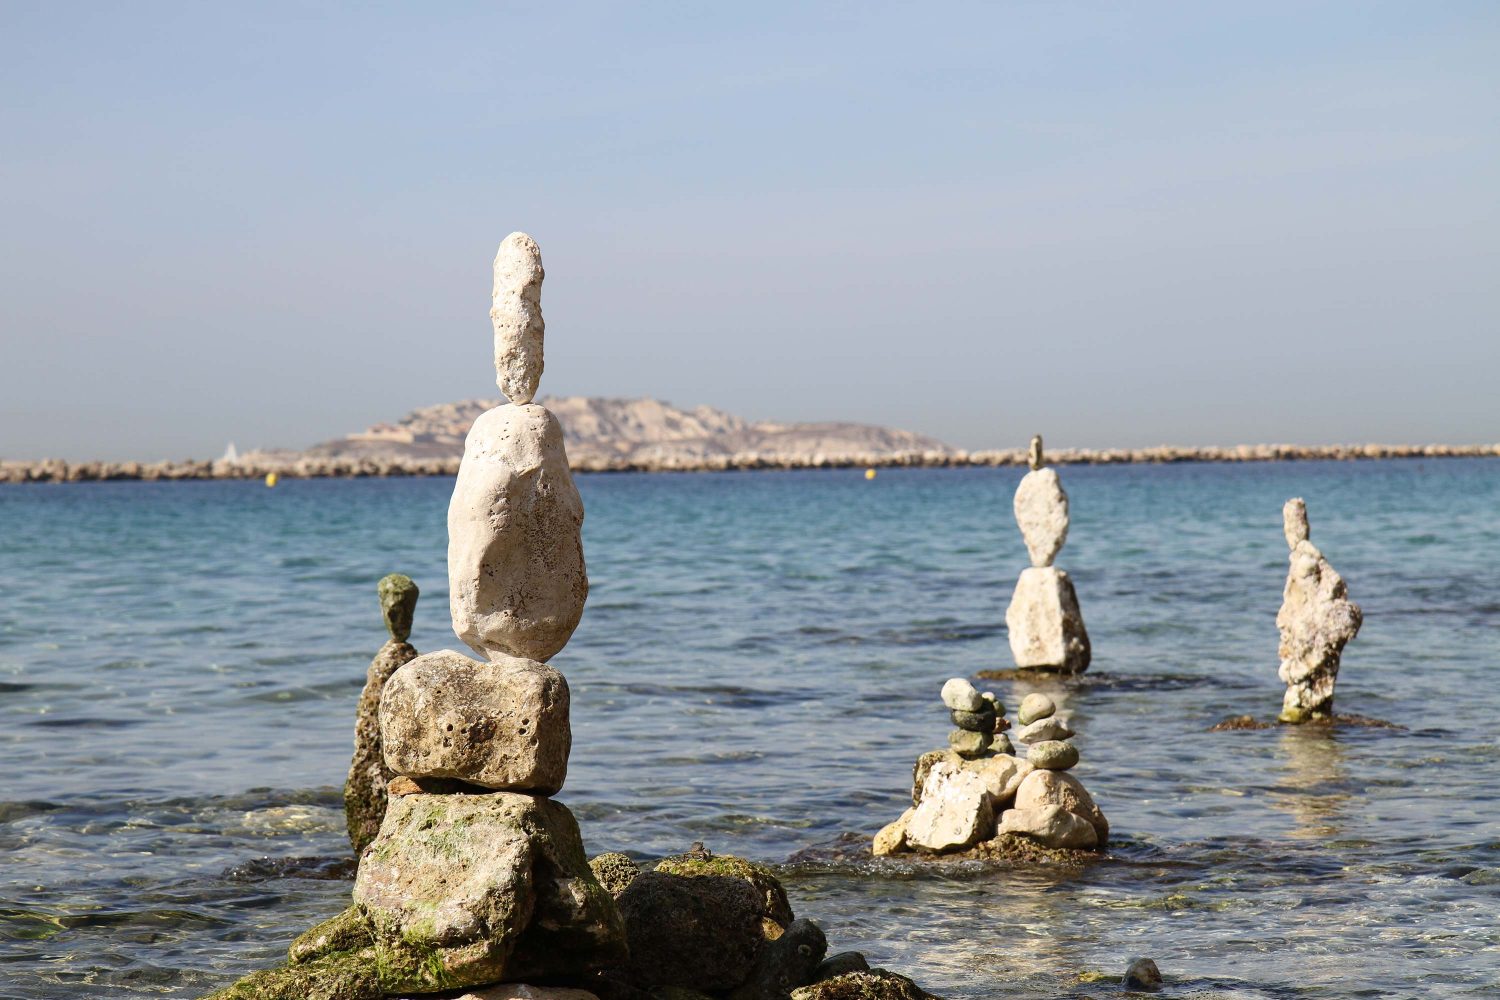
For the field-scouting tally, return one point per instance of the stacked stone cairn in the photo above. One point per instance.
(978, 792)
(365, 788)
(1316, 620)
(1045, 625)
(476, 879)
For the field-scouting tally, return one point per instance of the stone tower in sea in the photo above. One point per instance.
(1316, 620)
(477, 874)
(1045, 625)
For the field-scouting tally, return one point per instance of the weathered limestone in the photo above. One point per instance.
(955, 811)
(1045, 625)
(1043, 620)
(516, 575)
(1052, 825)
(502, 724)
(1041, 509)
(1316, 620)
(1057, 788)
(516, 313)
(365, 787)
(892, 837)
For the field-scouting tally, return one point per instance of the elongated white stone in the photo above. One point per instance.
(1041, 509)
(516, 313)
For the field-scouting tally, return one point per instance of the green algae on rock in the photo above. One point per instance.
(776, 907)
(398, 604)
(875, 984)
(615, 871)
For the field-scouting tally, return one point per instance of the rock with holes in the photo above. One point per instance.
(516, 314)
(1316, 620)
(501, 724)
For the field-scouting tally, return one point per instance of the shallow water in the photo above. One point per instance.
(757, 669)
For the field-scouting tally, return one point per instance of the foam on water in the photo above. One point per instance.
(758, 668)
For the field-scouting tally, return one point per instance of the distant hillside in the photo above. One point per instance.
(643, 433)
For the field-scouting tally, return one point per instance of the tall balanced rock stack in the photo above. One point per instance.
(973, 797)
(477, 876)
(365, 788)
(1045, 625)
(1316, 620)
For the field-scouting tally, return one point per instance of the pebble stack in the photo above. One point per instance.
(978, 790)
(478, 876)
(1044, 622)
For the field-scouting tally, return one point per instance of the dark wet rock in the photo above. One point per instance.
(775, 907)
(968, 743)
(615, 871)
(1236, 723)
(840, 964)
(875, 984)
(978, 722)
(1142, 975)
(365, 787)
(785, 963)
(701, 932)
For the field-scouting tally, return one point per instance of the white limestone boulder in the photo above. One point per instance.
(1041, 509)
(516, 576)
(1053, 826)
(1058, 788)
(1045, 625)
(954, 813)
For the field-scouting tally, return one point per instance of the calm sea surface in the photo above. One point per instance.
(757, 668)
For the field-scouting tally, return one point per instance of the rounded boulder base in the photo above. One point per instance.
(501, 725)
(1058, 788)
(700, 933)
(1052, 755)
(1053, 826)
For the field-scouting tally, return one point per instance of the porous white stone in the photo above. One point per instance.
(501, 723)
(1053, 826)
(1316, 620)
(954, 813)
(516, 313)
(1045, 625)
(1042, 513)
(516, 576)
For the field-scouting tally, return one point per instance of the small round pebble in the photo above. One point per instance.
(1143, 975)
(960, 696)
(1053, 755)
(1033, 707)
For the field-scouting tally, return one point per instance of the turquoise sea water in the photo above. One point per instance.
(757, 668)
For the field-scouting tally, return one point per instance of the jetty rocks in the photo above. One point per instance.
(975, 799)
(1043, 620)
(1316, 620)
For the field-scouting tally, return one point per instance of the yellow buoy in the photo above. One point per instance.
(271, 478)
(869, 473)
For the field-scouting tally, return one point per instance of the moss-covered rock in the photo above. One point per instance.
(615, 871)
(775, 907)
(365, 787)
(876, 984)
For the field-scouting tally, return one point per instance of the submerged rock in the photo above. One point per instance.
(501, 724)
(1142, 975)
(874, 984)
(516, 576)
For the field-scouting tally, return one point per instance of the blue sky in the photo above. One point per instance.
(1116, 223)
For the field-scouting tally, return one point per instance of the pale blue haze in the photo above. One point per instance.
(1121, 224)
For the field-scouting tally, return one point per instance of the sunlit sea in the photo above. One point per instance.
(757, 669)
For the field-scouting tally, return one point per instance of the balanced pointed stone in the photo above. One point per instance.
(516, 313)
(516, 576)
(1041, 509)
(1316, 620)
(1046, 628)
(365, 787)
(501, 724)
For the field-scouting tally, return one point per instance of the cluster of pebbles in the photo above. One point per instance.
(979, 791)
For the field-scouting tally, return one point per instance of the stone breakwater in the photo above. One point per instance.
(310, 467)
